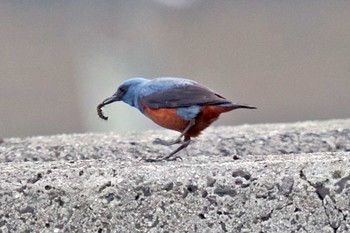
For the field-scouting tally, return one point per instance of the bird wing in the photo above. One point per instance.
(182, 96)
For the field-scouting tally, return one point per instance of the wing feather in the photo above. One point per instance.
(183, 96)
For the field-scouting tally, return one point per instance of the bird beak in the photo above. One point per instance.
(110, 100)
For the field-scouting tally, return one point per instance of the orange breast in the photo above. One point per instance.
(167, 118)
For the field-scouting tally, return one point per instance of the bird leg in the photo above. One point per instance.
(184, 144)
(177, 140)
(170, 156)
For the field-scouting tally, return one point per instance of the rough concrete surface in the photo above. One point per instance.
(250, 178)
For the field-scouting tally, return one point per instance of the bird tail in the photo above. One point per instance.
(236, 106)
(243, 106)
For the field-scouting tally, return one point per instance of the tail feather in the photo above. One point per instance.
(243, 106)
(235, 106)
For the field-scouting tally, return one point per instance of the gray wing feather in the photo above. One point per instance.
(183, 96)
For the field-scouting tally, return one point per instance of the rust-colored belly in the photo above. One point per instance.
(167, 118)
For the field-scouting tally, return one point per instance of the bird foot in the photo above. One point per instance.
(171, 156)
(174, 158)
(151, 160)
(162, 142)
(165, 158)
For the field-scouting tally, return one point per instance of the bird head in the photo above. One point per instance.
(128, 92)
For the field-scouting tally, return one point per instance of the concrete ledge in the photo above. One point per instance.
(258, 178)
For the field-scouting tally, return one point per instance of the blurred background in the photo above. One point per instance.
(59, 59)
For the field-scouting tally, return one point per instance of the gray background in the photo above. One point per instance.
(59, 59)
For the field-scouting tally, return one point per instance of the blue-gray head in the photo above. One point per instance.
(127, 92)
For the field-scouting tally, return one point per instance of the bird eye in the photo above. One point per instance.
(122, 90)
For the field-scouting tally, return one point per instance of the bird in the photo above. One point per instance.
(174, 103)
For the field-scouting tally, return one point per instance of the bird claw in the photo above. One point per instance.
(150, 160)
(162, 142)
(174, 158)
(159, 141)
(165, 158)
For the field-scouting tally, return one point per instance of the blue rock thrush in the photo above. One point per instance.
(173, 103)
